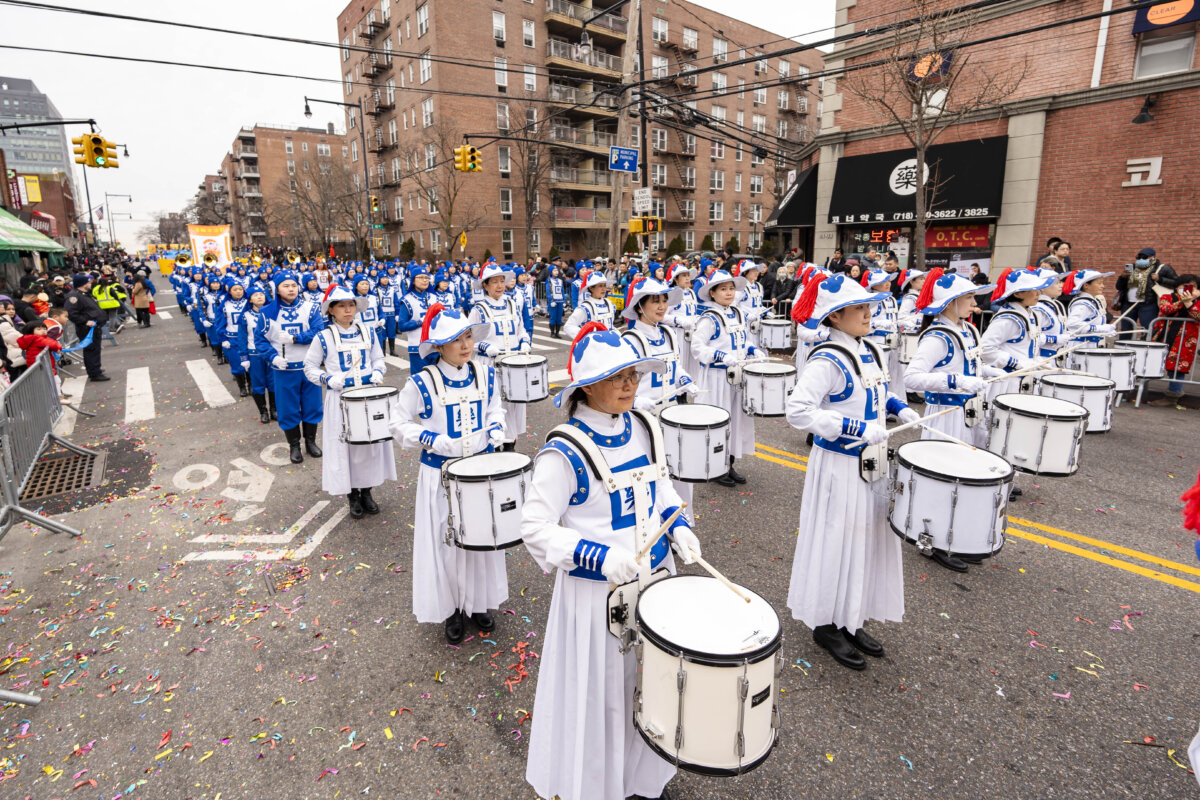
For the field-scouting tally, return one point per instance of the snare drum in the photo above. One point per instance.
(1149, 358)
(1094, 394)
(366, 412)
(908, 346)
(696, 440)
(776, 334)
(1114, 364)
(485, 494)
(765, 388)
(1036, 434)
(949, 497)
(708, 669)
(523, 378)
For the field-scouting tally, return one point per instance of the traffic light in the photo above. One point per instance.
(94, 144)
(645, 225)
(374, 204)
(110, 155)
(80, 150)
(635, 225)
(473, 162)
(460, 158)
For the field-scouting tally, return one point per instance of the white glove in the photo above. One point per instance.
(445, 445)
(969, 384)
(686, 544)
(376, 378)
(496, 436)
(874, 434)
(524, 348)
(225, 344)
(283, 337)
(731, 359)
(279, 362)
(1105, 330)
(207, 324)
(245, 365)
(492, 350)
(619, 565)
(334, 382)
(907, 415)
(1025, 363)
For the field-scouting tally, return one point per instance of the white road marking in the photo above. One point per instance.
(558, 376)
(543, 347)
(157, 307)
(269, 538)
(552, 340)
(73, 387)
(139, 395)
(166, 315)
(297, 554)
(396, 361)
(211, 387)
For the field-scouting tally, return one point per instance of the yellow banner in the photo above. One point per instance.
(211, 239)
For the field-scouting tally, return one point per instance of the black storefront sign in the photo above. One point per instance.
(798, 208)
(881, 187)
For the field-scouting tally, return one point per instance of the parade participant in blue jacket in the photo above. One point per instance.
(195, 302)
(210, 302)
(443, 289)
(556, 298)
(388, 301)
(262, 283)
(368, 313)
(292, 324)
(226, 328)
(524, 295)
(253, 351)
(410, 314)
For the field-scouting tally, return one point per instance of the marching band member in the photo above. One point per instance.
(225, 329)
(368, 307)
(292, 324)
(583, 745)
(450, 409)
(252, 349)
(885, 326)
(262, 282)
(505, 334)
(387, 309)
(311, 288)
(750, 298)
(807, 337)
(1087, 320)
(1049, 315)
(681, 317)
(411, 312)
(847, 567)
(720, 342)
(210, 306)
(525, 297)
(594, 305)
(577, 286)
(1010, 341)
(194, 298)
(443, 289)
(911, 282)
(556, 297)
(343, 355)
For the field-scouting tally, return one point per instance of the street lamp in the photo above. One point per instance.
(1144, 114)
(112, 235)
(362, 133)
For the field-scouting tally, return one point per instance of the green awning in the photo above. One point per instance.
(16, 235)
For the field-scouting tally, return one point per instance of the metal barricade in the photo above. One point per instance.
(1166, 330)
(31, 409)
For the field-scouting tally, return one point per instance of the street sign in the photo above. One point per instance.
(642, 200)
(377, 226)
(623, 159)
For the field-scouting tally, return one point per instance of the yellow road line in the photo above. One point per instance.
(775, 460)
(1116, 548)
(783, 453)
(1103, 559)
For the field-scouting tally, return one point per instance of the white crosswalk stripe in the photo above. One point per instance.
(165, 315)
(211, 386)
(139, 396)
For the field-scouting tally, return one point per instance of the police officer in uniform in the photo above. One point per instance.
(85, 312)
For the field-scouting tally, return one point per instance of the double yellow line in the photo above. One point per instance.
(794, 461)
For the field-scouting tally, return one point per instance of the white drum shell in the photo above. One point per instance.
(1034, 442)
(776, 334)
(1114, 364)
(366, 414)
(1094, 394)
(961, 517)
(523, 378)
(696, 440)
(908, 346)
(1149, 358)
(765, 388)
(485, 510)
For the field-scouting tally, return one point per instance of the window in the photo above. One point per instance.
(658, 30)
(1163, 52)
(718, 112)
(659, 138)
(689, 144)
(719, 82)
(345, 151)
(689, 177)
(498, 26)
(737, 212)
(756, 212)
(389, 90)
(387, 51)
(785, 68)
(292, 185)
(658, 67)
(658, 174)
(759, 123)
(687, 209)
(426, 67)
(737, 181)
(502, 116)
(393, 132)
(422, 20)
(756, 160)
(346, 49)
(535, 241)
(756, 184)
(530, 78)
(385, 11)
(691, 39)
(506, 242)
(291, 167)
(323, 150)
(783, 99)
(430, 155)
(349, 83)
(717, 150)
(741, 88)
(427, 112)
(761, 66)
(781, 128)
(396, 171)
(531, 119)
(760, 97)
(501, 68)
(658, 207)
(527, 32)
(720, 50)
(354, 151)
(506, 202)
(432, 194)
(289, 147)
(435, 241)
(352, 114)
(935, 101)
(504, 159)
(716, 180)
(305, 165)
(689, 240)
(716, 211)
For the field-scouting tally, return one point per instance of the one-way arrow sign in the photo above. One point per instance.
(623, 159)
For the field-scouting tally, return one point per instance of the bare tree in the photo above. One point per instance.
(927, 85)
(531, 167)
(318, 205)
(167, 227)
(204, 211)
(453, 197)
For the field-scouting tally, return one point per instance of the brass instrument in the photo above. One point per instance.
(209, 260)
(293, 257)
(184, 260)
(255, 258)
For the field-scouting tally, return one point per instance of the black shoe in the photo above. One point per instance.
(829, 637)
(455, 627)
(368, 503)
(973, 559)
(484, 621)
(260, 400)
(99, 378)
(310, 439)
(664, 796)
(737, 476)
(271, 405)
(293, 440)
(1015, 492)
(243, 382)
(356, 506)
(948, 561)
(508, 447)
(203, 340)
(725, 480)
(864, 642)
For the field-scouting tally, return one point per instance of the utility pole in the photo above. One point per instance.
(616, 242)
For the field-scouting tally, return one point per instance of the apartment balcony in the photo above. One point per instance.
(369, 30)
(593, 140)
(246, 133)
(251, 191)
(376, 65)
(800, 107)
(580, 218)
(581, 180)
(567, 18)
(567, 56)
(798, 136)
(583, 101)
(259, 234)
(245, 152)
(248, 171)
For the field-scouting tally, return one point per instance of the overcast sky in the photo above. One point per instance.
(179, 122)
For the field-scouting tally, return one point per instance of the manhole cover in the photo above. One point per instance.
(57, 473)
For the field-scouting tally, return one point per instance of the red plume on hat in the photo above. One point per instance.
(866, 276)
(803, 309)
(999, 292)
(926, 295)
(1069, 283)
(633, 285)
(433, 311)
(588, 327)
(1191, 507)
(329, 291)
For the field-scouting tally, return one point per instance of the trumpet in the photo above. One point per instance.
(209, 260)
(255, 258)
(184, 260)
(293, 257)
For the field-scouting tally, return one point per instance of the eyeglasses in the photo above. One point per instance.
(621, 379)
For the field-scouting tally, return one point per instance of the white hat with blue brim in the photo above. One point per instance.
(824, 295)
(941, 289)
(874, 277)
(1012, 281)
(646, 287)
(716, 279)
(595, 278)
(443, 325)
(336, 293)
(598, 353)
(491, 271)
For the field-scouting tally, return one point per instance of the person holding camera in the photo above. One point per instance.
(1144, 282)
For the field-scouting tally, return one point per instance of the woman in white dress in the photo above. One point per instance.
(807, 337)
(681, 316)
(1050, 315)
(346, 355)
(1087, 320)
(450, 409)
(506, 334)
(594, 305)
(583, 745)
(885, 326)
(1010, 341)
(847, 568)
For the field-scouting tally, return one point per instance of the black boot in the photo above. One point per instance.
(271, 404)
(260, 400)
(243, 382)
(356, 506)
(725, 480)
(293, 440)
(829, 637)
(203, 340)
(948, 561)
(455, 627)
(733, 473)
(508, 447)
(864, 642)
(484, 621)
(391, 346)
(368, 503)
(310, 439)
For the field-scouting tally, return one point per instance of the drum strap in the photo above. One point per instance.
(460, 397)
(493, 316)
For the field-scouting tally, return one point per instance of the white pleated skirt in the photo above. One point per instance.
(721, 394)
(351, 466)
(955, 425)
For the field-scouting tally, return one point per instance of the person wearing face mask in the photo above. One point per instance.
(1142, 284)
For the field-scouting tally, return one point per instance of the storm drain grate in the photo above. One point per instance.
(64, 472)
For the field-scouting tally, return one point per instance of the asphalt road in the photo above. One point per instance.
(291, 666)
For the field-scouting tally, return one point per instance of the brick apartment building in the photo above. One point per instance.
(528, 68)
(266, 169)
(212, 201)
(1069, 153)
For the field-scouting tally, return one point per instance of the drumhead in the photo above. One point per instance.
(522, 360)
(954, 460)
(1105, 352)
(769, 368)
(488, 465)
(696, 414)
(368, 393)
(776, 323)
(699, 616)
(1069, 381)
(1141, 345)
(1036, 405)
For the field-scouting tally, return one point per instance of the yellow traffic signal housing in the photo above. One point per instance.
(460, 159)
(635, 225)
(374, 204)
(94, 144)
(474, 163)
(651, 224)
(80, 150)
(110, 155)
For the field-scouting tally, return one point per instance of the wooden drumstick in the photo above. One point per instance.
(713, 571)
(654, 540)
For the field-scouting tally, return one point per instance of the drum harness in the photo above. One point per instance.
(872, 458)
(360, 346)
(671, 359)
(496, 318)
(973, 407)
(733, 375)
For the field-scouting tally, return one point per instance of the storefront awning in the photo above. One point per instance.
(798, 208)
(16, 235)
(881, 187)
(1164, 15)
